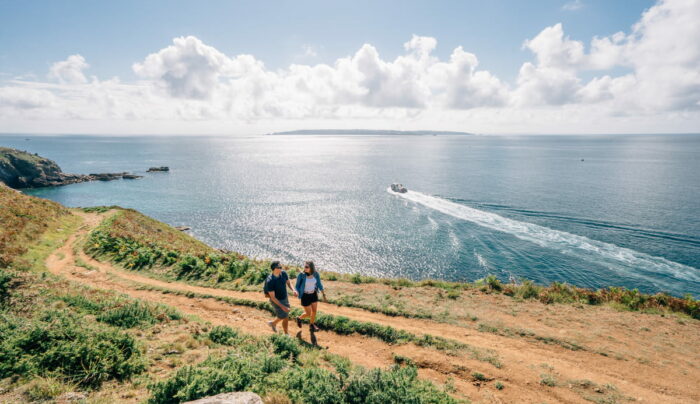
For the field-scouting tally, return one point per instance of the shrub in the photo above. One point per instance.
(238, 371)
(285, 346)
(59, 342)
(548, 380)
(397, 385)
(7, 281)
(223, 335)
(128, 315)
(478, 376)
(493, 283)
(528, 290)
(454, 294)
(313, 386)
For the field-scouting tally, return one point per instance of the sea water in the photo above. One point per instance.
(593, 211)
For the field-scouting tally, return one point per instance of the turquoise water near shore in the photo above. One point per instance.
(589, 210)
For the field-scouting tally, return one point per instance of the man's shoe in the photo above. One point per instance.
(272, 325)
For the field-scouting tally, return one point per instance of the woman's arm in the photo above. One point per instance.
(320, 286)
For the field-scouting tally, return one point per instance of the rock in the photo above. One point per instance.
(131, 176)
(156, 169)
(20, 169)
(242, 397)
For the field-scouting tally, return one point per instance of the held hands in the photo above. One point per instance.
(296, 294)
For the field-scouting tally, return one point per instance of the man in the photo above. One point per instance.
(276, 289)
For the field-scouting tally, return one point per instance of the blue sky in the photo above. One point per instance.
(547, 66)
(113, 35)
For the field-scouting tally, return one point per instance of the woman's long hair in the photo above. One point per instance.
(312, 267)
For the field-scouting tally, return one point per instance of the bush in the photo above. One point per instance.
(128, 315)
(223, 335)
(313, 386)
(238, 371)
(397, 385)
(528, 290)
(60, 343)
(285, 346)
(7, 281)
(493, 283)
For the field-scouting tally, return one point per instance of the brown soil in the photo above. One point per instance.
(627, 356)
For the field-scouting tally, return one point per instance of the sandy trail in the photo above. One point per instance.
(523, 360)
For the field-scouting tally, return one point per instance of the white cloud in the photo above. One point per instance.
(190, 84)
(69, 71)
(24, 98)
(309, 51)
(574, 5)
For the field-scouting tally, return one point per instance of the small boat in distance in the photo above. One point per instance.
(398, 188)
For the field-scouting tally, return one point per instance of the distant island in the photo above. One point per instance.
(369, 132)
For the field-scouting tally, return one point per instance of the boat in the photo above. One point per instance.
(398, 188)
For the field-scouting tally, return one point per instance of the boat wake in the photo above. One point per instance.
(620, 259)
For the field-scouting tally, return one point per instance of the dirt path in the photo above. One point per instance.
(524, 361)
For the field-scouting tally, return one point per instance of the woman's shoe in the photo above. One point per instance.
(298, 322)
(314, 327)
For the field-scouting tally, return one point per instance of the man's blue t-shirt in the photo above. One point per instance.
(278, 284)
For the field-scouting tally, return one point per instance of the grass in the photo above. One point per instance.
(31, 229)
(547, 379)
(138, 242)
(514, 333)
(118, 311)
(52, 342)
(261, 367)
(345, 326)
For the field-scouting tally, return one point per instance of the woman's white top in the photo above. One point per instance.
(310, 285)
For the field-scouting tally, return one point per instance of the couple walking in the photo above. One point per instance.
(308, 284)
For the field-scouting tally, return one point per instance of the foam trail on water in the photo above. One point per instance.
(620, 259)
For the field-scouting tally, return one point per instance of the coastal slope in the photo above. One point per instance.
(483, 342)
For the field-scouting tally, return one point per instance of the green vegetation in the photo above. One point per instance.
(223, 335)
(547, 379)
(267, 366)
(138, 242)
(120, 311)
(510, 332)
(41, 339)
(345, 326)
(479, 376)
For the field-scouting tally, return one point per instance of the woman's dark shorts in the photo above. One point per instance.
(308, 298)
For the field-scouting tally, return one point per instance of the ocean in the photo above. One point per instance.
(593, 211)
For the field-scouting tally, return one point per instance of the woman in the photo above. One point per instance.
(307, 287)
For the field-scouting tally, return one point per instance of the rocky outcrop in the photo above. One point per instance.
(19, 169)
(156, 169)
(242, 397)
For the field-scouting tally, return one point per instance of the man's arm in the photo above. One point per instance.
(289, 284)
(277, 302)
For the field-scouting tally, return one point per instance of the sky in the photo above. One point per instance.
(245, 67)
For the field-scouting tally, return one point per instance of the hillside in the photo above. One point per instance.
(175, 312)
